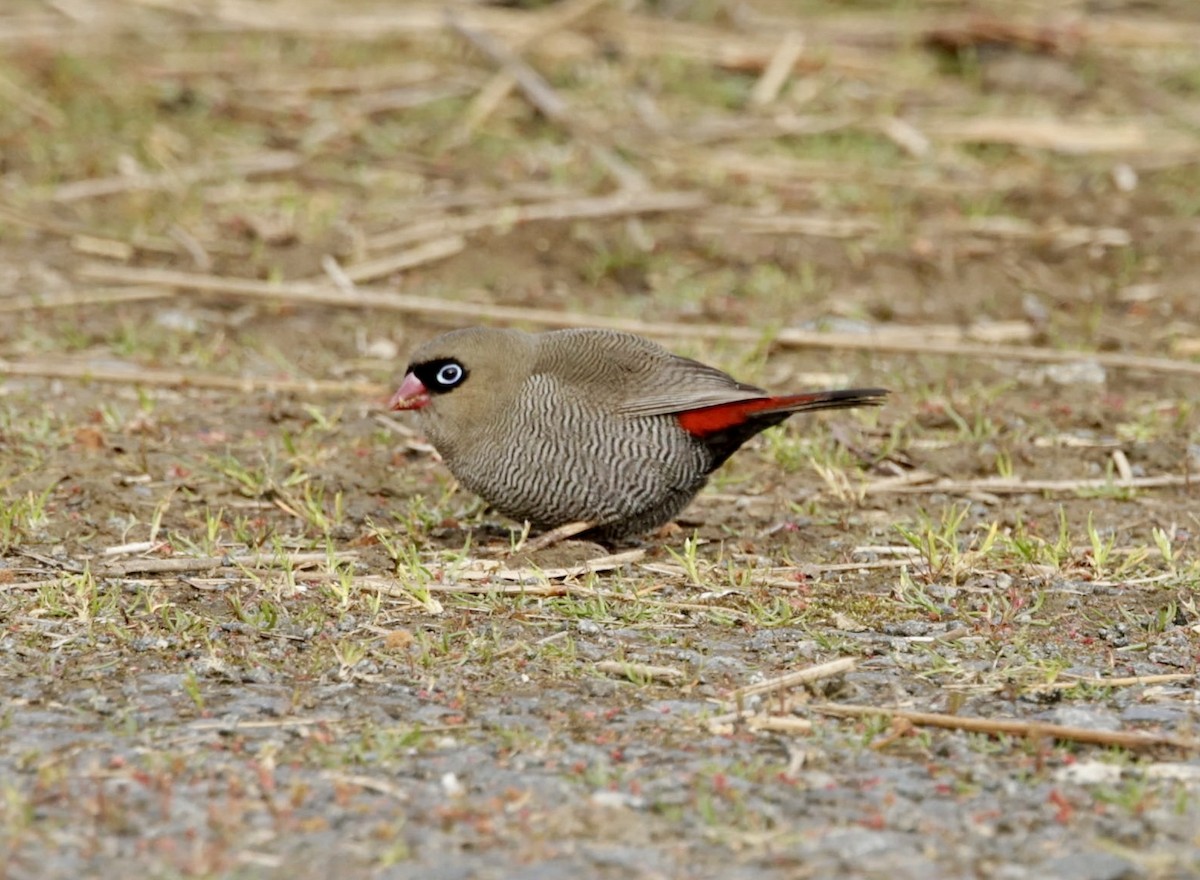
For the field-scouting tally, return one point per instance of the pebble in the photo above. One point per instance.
(1087, 866)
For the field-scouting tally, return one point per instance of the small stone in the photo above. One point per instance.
(1174, 771)
(1079, 716)
(1081, 372)
(1088, 773)
(451, 785)
(616, 800)
(1088, 866)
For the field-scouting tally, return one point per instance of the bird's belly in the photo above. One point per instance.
(639, 472)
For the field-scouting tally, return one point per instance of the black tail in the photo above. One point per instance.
(845, 399)
(758, 415)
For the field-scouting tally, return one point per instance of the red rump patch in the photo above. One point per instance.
(711, 419)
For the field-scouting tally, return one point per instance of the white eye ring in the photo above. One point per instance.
(450, 374)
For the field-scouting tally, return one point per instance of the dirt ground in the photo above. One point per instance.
(250, 627)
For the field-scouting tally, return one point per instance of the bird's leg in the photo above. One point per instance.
(554, 536)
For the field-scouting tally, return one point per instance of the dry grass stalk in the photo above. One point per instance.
(250, 562)
(39, 222)
(778, 724)
(834, 567)
(643, 36)
(783, 123)
(533, 86)
(1121, 464)
(1069, 681)
(987, 32)
(1058, 135)
(412, 19)
(105, 248)
(75, 299)
(492, 570)
(775, 76)
(501, 84)
(905, 135)
(729, 163)
(792, 679)
(1100, 33)
(754, 721)
(697, 607)
(174, 379)
(399, 99)
(489, 589)
(1060, 235)
(623, 204)
(641, 672)
(381, 786)
(814, 225)
(1009, 486)
(232, 724)
(247, 166)
(134, 547)
(426, 252)
(169, 244)
(352, 81)
(549, 103)
(192, 246)
(1013, 727)
(30, 585)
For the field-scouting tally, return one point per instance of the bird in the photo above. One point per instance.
(587, 425)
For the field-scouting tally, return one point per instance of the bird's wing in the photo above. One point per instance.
(683, 385)
(635, 376)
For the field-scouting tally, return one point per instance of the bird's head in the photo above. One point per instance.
(464, 375)
(424, 379)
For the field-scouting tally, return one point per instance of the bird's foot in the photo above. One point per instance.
(554, 536)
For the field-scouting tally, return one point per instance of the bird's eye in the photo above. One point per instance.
(449, 375)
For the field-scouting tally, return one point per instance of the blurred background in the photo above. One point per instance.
(225, 223)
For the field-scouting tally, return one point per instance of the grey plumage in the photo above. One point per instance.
(574, 425)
